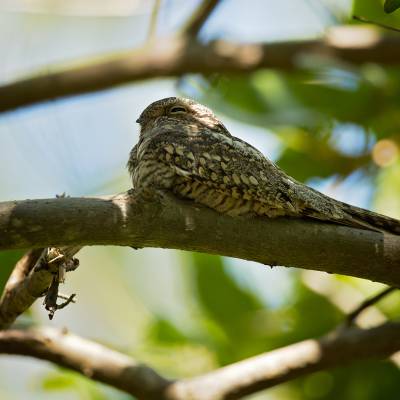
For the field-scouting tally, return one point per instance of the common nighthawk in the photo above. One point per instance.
(183, 148)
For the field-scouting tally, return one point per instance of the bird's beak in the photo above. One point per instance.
(138, 121)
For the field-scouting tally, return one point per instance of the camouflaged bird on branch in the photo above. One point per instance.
(184, 149)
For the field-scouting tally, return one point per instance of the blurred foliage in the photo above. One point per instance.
(7, 262)
(64, 380)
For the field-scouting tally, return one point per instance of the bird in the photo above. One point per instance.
(184, 149)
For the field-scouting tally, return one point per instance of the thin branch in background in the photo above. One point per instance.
(91, 359)
(230, 382)
(194, 24)
(153, 20)
(380, 24)
(179, 57)
(350, 319)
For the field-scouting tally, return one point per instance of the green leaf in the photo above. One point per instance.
(374, 11)
(391, 6)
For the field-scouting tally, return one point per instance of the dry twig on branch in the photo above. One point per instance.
(36, 274)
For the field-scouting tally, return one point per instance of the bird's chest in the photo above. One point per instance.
(151, 172)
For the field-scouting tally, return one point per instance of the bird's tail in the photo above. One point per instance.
(322, 207)
(365, 219)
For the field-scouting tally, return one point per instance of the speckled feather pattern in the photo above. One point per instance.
(183, 148)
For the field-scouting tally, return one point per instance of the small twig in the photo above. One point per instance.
(36, 274)
(70, 299)
(380, 24)
(199, 17)
(153, 20)
(50, 301)
(350, 319)
(64, 262)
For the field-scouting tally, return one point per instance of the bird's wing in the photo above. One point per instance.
(224, 163)
(231, 166)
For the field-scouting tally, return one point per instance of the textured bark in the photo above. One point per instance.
(170, 223)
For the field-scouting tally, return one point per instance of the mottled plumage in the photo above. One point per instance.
(185, 149)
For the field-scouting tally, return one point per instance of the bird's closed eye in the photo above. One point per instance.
(177, 110)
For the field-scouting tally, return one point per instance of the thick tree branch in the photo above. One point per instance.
(230, 382)
(170, 223)
(177, 56)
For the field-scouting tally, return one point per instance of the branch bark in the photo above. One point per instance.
(171, 223)
(230, 382)
(176, 56)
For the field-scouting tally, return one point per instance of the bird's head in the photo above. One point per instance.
(177, 110)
